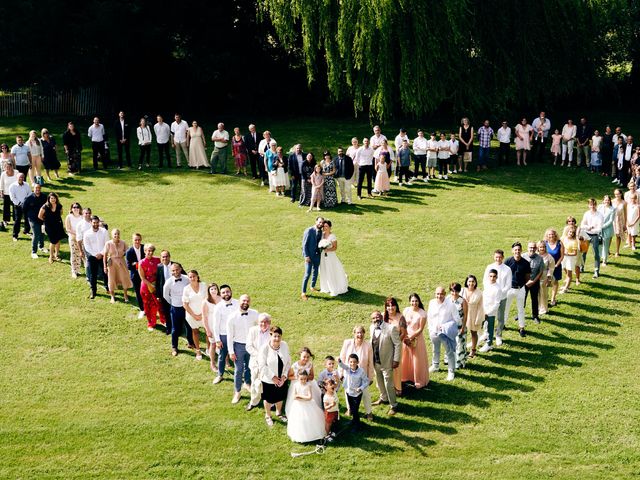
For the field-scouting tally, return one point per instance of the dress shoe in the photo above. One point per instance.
(379, 402)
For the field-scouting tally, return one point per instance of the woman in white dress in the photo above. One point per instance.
(197, 145)
(333, 279)
(193, 298)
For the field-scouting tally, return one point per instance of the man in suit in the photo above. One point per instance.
(344, 174)
(311, 254)
(251, 142)
(133, 256)
(385, 344)
(296, 159)
(257, 338)
(123, 134)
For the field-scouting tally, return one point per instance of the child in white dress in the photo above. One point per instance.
(633, 216)
(306, 418)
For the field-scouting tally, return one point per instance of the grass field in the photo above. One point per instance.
(87, 392)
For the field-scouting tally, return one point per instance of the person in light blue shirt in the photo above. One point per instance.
(355, 381)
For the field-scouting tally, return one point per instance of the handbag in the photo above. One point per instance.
(584, 246)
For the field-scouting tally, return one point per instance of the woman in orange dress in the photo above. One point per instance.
(393, 317)
(115, 267)
(414, 353)
(148, 269)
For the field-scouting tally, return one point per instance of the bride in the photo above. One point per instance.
(333, 279)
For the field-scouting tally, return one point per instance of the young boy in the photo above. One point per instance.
(404, 159)
(490, 302)
(330, 403)
(355, 381)
(329, 372)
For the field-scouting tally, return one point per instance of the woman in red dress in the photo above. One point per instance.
(239, 152)
(147, 270)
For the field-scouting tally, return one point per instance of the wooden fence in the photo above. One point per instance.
(82, 102)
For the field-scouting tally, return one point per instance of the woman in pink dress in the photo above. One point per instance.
(393, 317)
(115, 267)
(239, 152)
(147, 269)
(414, 353)
(524, 132)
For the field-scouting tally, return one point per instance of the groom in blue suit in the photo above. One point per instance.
(311, 254)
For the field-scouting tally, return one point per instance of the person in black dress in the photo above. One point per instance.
(72, 148)
(274, 363)
(305, 177)
(51, 214)
(50, 156)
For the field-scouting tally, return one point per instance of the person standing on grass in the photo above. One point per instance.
(465, 134)
(520, 276)
(148, 270)
(51, 215)
(443, 317)
(173, 292)
(72, 142)
(591, 225)
(584, 133)
(363, 349)
(114, 266)
(455, 297)
(274, 364)
(134, 255)
(475, 314)
(220, 139)
(296, 160)
(420, 154)
(432, 156)
(443, 157)
(223, 312)
(163, 137)
(123, 139)
(524, 135)
(8, 177)
(387, 352)
(491, 298)
(97, 135)
(311, 254)
(504, 283)
(555, 248)
(608, 213)
(93, 242)
(399, 140)
(179, 130)
(414, 353)
(485, 134)
(364, 159)
(355, 383)
(343, 176)
(569, 132)
(546, 279)
(21, 156)
(532, 287)
(237, 337)
(32, 205)
(251, 143)
(163, 274)
(404, 161)
(257, 338)
(18, 193)
(143, 132)
(543, 125)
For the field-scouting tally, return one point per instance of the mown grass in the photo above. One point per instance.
(89, 393)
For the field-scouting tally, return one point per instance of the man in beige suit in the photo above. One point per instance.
(257, 337)
(385, 343)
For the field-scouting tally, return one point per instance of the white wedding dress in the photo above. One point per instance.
(333, 279)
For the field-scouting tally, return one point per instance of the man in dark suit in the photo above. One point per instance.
(123, 134)
(162, 275)
(296, 159)
(344, 174)
(311, 254)
(133, 256)
(251, 142)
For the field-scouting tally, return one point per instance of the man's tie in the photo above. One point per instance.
(245, 313)
(178, 279)
(228, 304)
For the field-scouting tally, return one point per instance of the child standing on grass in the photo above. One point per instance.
(331, 408)
(355, 381)
(596, 161)
(382, 184)
(454, 145)
(555, 145)
(329, 372)
(633, 216)
(306, 418)
(317, 186)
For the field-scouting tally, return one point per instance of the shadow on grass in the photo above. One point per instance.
(596, 309)
(581, 323)
(559, 338)
(353, 296)
(603, 290)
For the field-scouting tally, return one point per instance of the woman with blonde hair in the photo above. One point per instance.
(71, 223)
(554, 248)
(363, 349)
(115, 266)
(35, 146)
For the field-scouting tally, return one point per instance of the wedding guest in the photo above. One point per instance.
(263, 146)
(163, 273)
(31, 207)
(329, 194)
(51, 215)
(571, 249)
(115, 267)
(619, 220)
(363, 349)
(179, 132)
(21, 156)
(49, 154)
(454, 147)
(35, 147)
(556, 138)
(475, 313)
(556, 250)
(133, 256)
(591, 225)
(163, 138)
(223, 311)
(432, 156)
(532, 287)
(355, 383)
(569, 132)
(520, 277)
(460, 303)
(308, 168)
(208, 319)
(485, 134)
(143, 132)
(443, 328)
(491, 298)
(414, 353)
(386, 354)
(546, 279)
(257, 338)
(220, 139)
(444, 152)
(404, 159)
(633, 216)
(351, 152)
(251, 143)
(93, 242)
(524, 134)
(8, 177)
(296, 160)
(465, 134)
(237, 336)
(5, 157)
(344, 175)
(72, 142)
(197, 145)
(98, 135)
(504, 282)
(394, 317)
(596, 159)
(606, 151)
(274, 363)
(172, 292)
(193, 297)
(123, 137)
(364, 160)
(148, 271)
(381, 184)
(504, 140)
(239, 152)
(317, 188)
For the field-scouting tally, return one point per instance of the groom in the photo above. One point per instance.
(311, 254)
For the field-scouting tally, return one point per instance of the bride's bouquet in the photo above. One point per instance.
(323, 245)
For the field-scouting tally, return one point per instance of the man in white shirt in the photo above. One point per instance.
(504, 138)
(97, 135)
(592, 225)
(220, 139)
(179, 138)
(257, 337)
(221, 314)
(402, 136)
(569, 132)
(442, 320)
(93, 242)
(443, 157)
(172, 293)
(21, 156)
(18, 192)
(83, 227)
(504, 282)
(377, 138)
(420, 154)
(432, 156)
(364, 160)
(163, 137)
(491, 296)
(540, 125)
(237, 334)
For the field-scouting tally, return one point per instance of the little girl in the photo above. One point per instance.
(633, 216)
(331, 409)
(382, 184)
(555, 145)
(305, 364)
(281, 176)
(306, 418)
(317, 184)
(596, 161)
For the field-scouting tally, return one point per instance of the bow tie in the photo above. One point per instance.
(229, 305)
(178, 279)
(245, 313)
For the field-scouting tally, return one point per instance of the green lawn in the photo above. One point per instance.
(87, 392)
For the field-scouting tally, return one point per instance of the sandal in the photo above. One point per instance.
(268, 420)
(282, 417)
